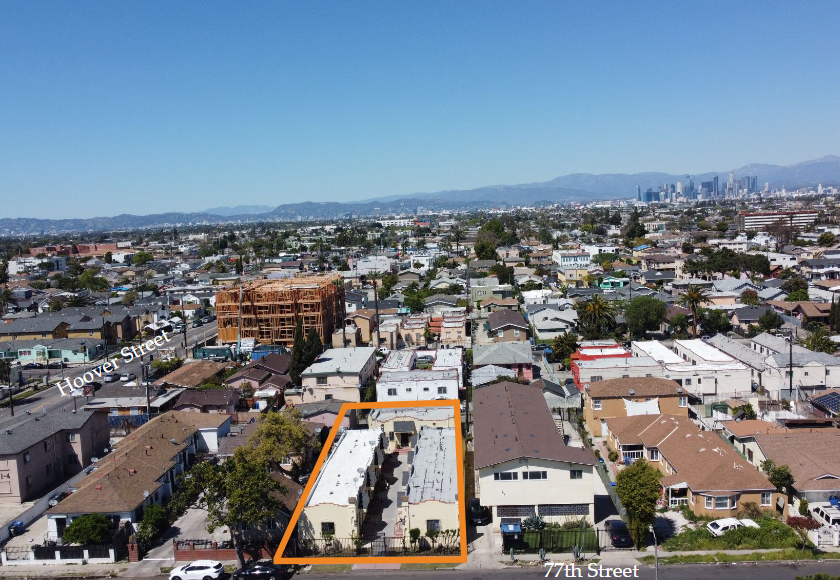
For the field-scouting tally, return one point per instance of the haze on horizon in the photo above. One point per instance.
(149, 107)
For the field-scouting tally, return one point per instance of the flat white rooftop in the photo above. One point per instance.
(340, 477)
(419, 413)
(448, 358)
(345, 360)
(657, 351)
(626, 362)
(705, 350)
(398, 360)
(433, 474)
(418, 376)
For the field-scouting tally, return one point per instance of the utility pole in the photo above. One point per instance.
(376, 306)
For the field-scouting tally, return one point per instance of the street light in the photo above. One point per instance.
(655, 553)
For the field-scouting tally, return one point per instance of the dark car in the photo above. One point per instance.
(569, 382)
(478, 513)
(56, 365)
(259, 572)
(33, 366)
(619, 534)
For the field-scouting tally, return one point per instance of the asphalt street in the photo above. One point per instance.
(51, 398)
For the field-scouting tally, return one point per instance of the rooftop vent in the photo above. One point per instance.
(632, 392)
(679, 389)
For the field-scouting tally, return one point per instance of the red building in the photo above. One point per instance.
(594, 350)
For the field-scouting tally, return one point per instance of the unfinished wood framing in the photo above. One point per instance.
(271, 308)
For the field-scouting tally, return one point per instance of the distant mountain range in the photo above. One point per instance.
(564, 189)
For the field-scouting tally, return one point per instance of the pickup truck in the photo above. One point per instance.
(719, 527)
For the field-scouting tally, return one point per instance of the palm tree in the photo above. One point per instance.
(819, 340)
(692, 298)
(597, 317)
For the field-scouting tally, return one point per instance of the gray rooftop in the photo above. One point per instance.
(739, 351)
(502, 353)
(31, 429)
(433, 473)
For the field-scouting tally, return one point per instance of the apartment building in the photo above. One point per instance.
(431, 494)
(401, 426)
(338, 503)
(418, 385)
(40, 452)
(339, 373)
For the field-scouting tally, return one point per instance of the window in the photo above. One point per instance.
(392, 392)
(26, 457)
(687, 382)
(535, 475)
(425, 389)
(683, 401)
(321, 380)
(710, 502)
(806, 373)
(653, 454)
(516, 333)
(766, 498)
(576, 474)
(432, 525)
(595, 378)
(390, 435)
(441, 390)
(327, 528)
(408, 389)
(327, 397)
(500, 333)
(722, 503)
(28, 481)
(506, 476)
(71, 437)
(596, 404)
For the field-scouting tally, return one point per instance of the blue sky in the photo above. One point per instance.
(147, 107)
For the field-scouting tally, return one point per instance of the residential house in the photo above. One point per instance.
(550, 323)
(209, 401)
(747, 316)
(523, 467)
(440, 302)
(365, 320)
(629, 397)
(418, 385)
(493, 304)
(508, 326)
(699, 469)
(39, 327)
(515, 356)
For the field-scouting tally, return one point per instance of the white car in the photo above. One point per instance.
(198, 570)
(719, 527)
(125, 377)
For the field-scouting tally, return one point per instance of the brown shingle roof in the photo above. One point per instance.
(641, 387)
(502, 318)
(275, 363)
(749, 427)
(208, 397)
(809, 454)
(149, 452)
(512, 421)
(193, 374)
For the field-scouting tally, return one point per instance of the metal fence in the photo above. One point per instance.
(17, 552)
(383, 546)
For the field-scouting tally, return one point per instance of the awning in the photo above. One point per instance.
(404, 427)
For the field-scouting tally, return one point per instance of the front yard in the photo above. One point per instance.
(772, 534)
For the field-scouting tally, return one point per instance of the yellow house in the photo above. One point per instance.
(631, 396)
(33, 328)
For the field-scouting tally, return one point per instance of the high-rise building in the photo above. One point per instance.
(716, 190)
(638, 193)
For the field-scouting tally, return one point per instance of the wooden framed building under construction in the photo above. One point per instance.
(271, 308)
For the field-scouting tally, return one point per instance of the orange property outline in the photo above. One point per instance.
(278, 557)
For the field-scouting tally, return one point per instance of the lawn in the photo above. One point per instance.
(771, 534)
(790, 554)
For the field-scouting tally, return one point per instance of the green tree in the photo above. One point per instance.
(164, 367)
(129, 298)
(770, 321)
(296, 364)
(713, 321)
(779, 475)
(827, 239)
(278, 436)
(645, 314)
(312, 347)
(563, 346)
(596, 317)
(819, 340)
(89, 280)
(108, 258)
(798, 295)
(236, 494)
(155, 521)
(692, 298)
(504, 273)
(88, 529)
(680, 323)
(687, 248)
(750, 298)
(638, 489)
(142, 258)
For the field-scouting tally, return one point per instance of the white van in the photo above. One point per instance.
(826, 514)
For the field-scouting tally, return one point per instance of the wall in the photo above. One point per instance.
(615, 408)
(189, 553)
(419, 513)
(343, 516)
(558, 488)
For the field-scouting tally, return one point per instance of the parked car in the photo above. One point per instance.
(207, 319)
(178, 328)
(196, 324)
(478, 513)
(826, 514)
(619, 534)
(258, 572)
(125, 377)
(94, 385)
(33, 366)
(112, 377)
(56, 365)
(198, 570)
(719, 527)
